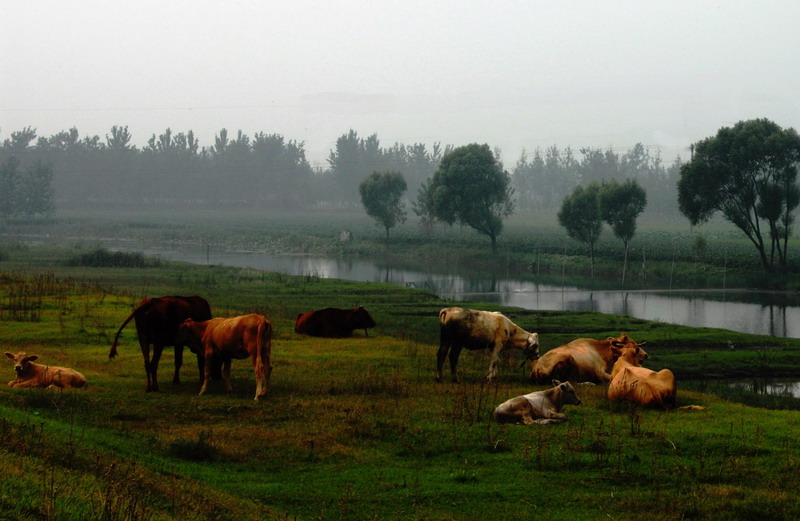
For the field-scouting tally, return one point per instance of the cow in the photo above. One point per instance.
(631, 382)
(582, 360)
(473, 329)
(237, 337)
(30, 374)
(538, 407)
(333, 322)
(157, 320)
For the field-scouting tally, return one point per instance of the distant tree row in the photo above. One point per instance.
(264, 170)
(543, 180)
(269, 170)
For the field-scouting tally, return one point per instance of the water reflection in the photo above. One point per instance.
(784, 388)
(746, 311)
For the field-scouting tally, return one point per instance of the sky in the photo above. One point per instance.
(518, 75)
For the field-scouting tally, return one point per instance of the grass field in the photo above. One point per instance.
(357, 428)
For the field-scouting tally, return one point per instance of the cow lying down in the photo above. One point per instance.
(30, 374)
(538, 407)
(642, 386)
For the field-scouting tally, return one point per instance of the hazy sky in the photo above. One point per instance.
(516, 75)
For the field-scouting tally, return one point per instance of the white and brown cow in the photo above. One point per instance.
(631, 382)
(30, 374)
(246, 336)
(582, 360)
(473, 329)
(538, 407)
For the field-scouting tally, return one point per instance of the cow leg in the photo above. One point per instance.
(263, 372)
(454, 352)
(176, 378)
(146, 356)
(206, 371)
(492, 374)
(157, 350)
(440, 356)
(201, 367)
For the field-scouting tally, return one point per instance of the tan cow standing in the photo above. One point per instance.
(640, 385)
(473, 329)
(30, 374)
(237, 337)
(538, 407)
(582, 360)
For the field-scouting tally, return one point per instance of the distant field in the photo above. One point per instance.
(356, 428)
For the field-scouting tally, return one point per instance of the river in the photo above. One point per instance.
(763, 313)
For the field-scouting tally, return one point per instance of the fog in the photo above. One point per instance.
(517, 75)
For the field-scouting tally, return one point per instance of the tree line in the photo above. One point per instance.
(268, 170)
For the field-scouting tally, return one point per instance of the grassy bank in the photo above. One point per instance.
(356, 428)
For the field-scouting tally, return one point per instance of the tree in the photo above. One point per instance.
(749, 174)
(580, 215)
(9, 186)
(380, 195)
(470, 187)
(620, 205)
(36, 191)
(423, 206)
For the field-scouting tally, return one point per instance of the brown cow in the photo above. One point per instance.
(237, 337)
(538, 407)
(640, 385)
(157, 321)
(37, 375)
(582, 360)
(333, 322)
(473, 329)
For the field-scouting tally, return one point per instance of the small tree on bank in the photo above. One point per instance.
(380, 195)
(470, 187)
(620, 205)
(580, 215)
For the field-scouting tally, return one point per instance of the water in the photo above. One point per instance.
(782, 387)
(762, 313)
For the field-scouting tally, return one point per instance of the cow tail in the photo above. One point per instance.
(261, 336)
(113, 352)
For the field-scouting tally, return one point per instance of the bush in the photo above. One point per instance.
(102, 258)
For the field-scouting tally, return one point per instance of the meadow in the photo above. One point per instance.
(357, 428)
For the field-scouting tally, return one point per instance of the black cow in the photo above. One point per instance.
(157, 320)
(333, 322)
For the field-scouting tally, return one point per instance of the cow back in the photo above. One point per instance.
(470, 328)
(161, 316)
(333, 322)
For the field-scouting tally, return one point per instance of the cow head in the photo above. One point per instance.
(189, 335)
(624, 341)
(567, 392)
(634, 354)
(22, 361)
(360, 319)
(531, 349)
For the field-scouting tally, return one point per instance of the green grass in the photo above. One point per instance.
(357, 428)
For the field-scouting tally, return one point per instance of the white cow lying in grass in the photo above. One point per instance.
(37, 375)
(538, 407)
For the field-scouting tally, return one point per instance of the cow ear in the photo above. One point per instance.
(10, 355)
(31, 358)
(556, 383)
